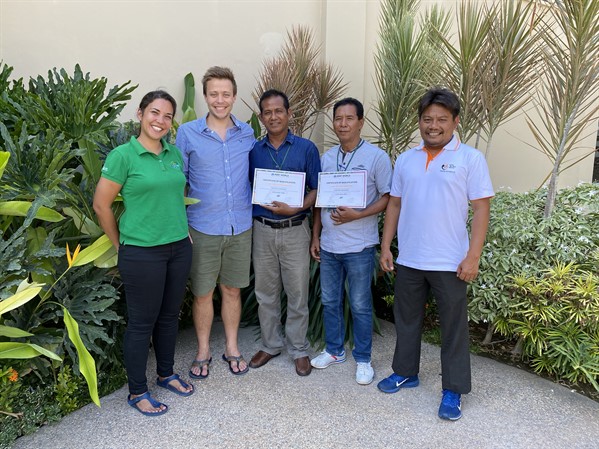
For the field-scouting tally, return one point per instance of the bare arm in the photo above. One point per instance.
(389, 231)
(316, 229)
(106, 192)
(468, 268)
(343, 214)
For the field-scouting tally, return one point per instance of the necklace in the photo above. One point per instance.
(344, 167)
(279, 166)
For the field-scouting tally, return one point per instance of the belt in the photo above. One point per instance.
(279, 224)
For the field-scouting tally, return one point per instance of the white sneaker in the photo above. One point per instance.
(325, 359)
(364, 373)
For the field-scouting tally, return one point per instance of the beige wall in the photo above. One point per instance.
(156, 43)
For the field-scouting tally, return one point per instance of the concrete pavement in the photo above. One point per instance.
(272, 407)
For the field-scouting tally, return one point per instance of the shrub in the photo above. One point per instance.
(556, 318)
(521, 241)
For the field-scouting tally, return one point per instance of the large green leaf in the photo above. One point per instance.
(87, 364)
(20, 208)
(19, 298)
(83, 223)
(92, 252)
(15, 350)
(4, 155)
(108, 259)
(13, 332)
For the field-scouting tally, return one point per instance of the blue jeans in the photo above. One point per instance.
(358, 269)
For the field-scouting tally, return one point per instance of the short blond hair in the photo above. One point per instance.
(220, 73)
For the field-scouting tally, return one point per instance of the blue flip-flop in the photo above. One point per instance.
(165, 383)
(133, 403)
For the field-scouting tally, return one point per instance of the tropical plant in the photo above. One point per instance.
(509, 69)
(407, 63)
(556, 317)
(567, 96)
(311, 85)
(520, 240)
(464, 62)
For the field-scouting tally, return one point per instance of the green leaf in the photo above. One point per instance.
(20, 208)
(190, 93)
(13, 332)
(20, 298)
(188, 115)
(15, 350)
(92, 252)
(4, 155)
(87, 365)
(85, 224)
(108, 259)
(189, 201)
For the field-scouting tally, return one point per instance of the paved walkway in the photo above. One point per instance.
(272, 407)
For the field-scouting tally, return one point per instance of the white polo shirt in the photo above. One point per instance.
(432, 232)
(355, 236)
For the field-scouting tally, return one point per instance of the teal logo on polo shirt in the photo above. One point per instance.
(105, 169)
(175, 165)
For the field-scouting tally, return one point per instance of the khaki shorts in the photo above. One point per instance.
(220, 258)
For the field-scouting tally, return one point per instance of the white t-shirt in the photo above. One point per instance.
(432, 232)
(355, 236)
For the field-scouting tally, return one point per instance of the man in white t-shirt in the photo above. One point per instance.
(346, 246)
(434, 184)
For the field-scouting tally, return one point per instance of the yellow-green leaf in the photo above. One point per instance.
(4, 156)
(85, 224)
(107, 260)
(15, 350)
(92, 252)
(20, 208)
(87, 365)
(18, 299)
(189, 201)
(13, 332)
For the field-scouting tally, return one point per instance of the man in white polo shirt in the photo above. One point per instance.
(434, 184)
(346, 247)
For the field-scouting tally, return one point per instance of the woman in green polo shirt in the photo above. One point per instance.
(153, 245)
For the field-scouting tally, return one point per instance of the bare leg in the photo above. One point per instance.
(231, 315)
(203, 314)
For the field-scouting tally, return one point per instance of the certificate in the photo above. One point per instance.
(343, 188)
(278, 185)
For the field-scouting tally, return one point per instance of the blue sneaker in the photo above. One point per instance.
(395, 382)
(451, 406)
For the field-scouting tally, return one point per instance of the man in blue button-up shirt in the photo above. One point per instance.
(215, 151)
(281, 241)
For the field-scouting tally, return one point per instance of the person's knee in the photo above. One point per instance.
(230, 294)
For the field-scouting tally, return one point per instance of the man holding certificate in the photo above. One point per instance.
(284, 173)
(353, 189)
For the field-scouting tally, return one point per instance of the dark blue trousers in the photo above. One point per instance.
(154, 278)
(411, 291)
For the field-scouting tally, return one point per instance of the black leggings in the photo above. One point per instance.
(154, 278)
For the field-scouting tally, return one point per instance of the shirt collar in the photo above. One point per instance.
(139, 148)
(203, 126)
(288, 139)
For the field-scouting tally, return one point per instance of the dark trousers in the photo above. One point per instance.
(154, 278)
(411, 291)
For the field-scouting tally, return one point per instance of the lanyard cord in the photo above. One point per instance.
(279, 167)
(353, 152)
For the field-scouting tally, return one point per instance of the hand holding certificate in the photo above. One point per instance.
(347, 188)
(277, 185)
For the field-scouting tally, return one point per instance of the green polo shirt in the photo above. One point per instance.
(152, 192)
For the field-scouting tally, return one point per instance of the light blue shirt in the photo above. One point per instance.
(217, 172)
(356, 235)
